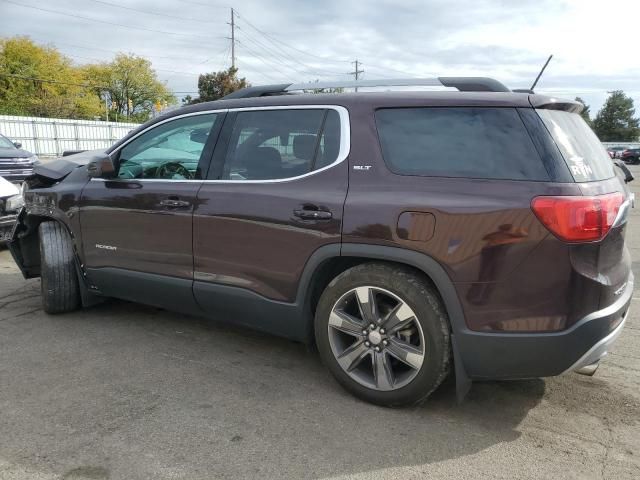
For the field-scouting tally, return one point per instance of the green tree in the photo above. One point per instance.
(586, 111)
(39, 81)
(212, 86)
(615, 122)
(130, 85)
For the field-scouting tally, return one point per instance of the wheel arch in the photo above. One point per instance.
(327, 262)
(25, 249)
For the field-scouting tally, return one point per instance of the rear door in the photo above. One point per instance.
(137, 228)
(273, 197)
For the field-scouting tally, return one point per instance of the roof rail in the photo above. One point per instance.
(464, 84)
(259, 91)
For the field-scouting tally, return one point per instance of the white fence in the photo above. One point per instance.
(49, 137)
(622, 144)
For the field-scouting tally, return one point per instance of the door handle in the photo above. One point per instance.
(311, 214)
(174, 202)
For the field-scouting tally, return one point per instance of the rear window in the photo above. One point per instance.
(586, 157)
(487, 143)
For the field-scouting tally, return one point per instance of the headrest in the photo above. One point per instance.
(263, 163)
(304, 146)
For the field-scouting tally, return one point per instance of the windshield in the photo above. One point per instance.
(586, 157)
(6, 143)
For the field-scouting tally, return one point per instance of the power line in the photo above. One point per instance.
(269, 77)
(59, 82)
(273, 39)
(283, 54)
(233, 40)
(44, 80)
(99, 49)
(104, 21)
(167, 15)
(204, 4)
(275, 58)
(259, 57)
(175, 72)
(309, 54)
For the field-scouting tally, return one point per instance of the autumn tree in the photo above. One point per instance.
(130, 85)
(212, 86)
(616, 121)
(40, 81)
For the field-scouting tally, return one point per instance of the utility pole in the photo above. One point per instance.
(357, 71)
(233, 39)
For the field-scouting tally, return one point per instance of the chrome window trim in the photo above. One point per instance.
(150, 127)
(343, 153)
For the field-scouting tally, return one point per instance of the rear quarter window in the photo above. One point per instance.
(473, 142)
(585, 156)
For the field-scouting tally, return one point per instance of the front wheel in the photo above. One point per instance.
(383, 333)
(58, 276)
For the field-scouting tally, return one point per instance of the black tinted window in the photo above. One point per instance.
(276, 144)
(458, 142)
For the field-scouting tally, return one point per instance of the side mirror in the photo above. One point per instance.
(17, 144)
(101, 166)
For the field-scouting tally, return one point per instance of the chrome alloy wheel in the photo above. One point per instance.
(376, 338)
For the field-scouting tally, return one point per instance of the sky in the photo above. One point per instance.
(302, 40)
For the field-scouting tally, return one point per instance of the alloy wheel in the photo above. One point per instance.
(376, 338)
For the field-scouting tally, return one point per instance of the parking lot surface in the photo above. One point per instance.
(123, 391)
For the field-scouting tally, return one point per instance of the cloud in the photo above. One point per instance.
(287, 40)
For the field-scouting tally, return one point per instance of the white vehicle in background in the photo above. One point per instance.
(11, 202)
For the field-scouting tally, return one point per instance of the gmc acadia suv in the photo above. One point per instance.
(406, 234)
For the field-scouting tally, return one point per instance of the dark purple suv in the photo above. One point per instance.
(406, 234)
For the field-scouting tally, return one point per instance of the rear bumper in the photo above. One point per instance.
(532, 355)
(600, 349)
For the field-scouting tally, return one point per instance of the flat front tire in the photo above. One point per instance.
(59, 279)
(383, 333)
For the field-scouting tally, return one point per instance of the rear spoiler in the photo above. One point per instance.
(552, 103)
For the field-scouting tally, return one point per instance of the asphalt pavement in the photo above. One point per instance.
(124, 391)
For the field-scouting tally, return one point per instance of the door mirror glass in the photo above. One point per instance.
(101, 166)
(17, 144)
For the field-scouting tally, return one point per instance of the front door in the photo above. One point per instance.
(137, 228)
(274, 196)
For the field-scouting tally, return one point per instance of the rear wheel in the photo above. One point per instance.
(59, 280)
(382, 332)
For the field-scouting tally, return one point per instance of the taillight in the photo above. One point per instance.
(578, 219)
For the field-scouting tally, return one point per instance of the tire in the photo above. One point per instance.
(424, 331)
(59, 279)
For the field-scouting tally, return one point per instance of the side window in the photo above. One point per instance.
(458, 142)
(278, 144)
(170, 151)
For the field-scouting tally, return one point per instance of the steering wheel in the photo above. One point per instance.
(170, 169)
